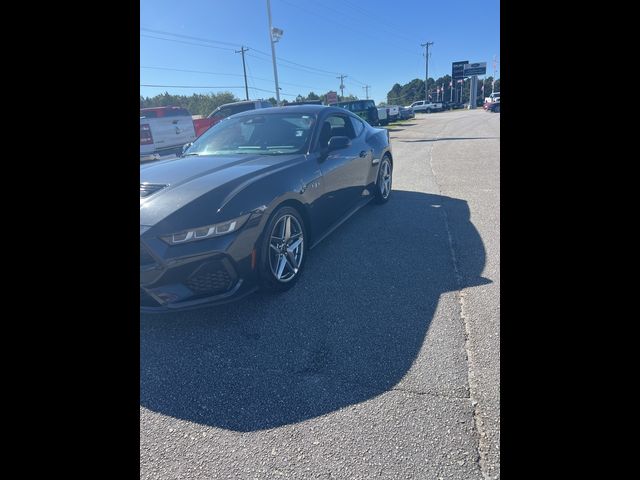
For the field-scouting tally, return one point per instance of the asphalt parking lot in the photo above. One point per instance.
(381, 362)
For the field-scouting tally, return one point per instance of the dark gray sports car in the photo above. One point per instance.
(247, 200)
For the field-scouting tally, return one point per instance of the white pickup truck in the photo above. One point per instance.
(427, 107)
(164, 131)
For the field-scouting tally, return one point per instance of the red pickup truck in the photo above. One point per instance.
(201, 125)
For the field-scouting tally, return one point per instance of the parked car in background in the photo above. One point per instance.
(494, 97)
(455, 105)
(393, 112)
(164, 130)
(406, 113)
(303, 102)
(365, 109)
(248, 199)
(382, 116)
(494, 107)
(226, 110)
(427, 107)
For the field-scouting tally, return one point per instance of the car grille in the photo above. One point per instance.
(210, 279)
(147, 189)
(145, 256)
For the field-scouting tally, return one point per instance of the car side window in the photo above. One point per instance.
(358, 126)
(334, 126)
(222, 113)
(244, 107)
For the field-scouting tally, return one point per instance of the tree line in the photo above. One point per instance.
(205, 103)
(414, 90)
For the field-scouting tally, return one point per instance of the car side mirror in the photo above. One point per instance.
(338, 143)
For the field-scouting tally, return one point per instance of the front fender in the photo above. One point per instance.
(262, 195)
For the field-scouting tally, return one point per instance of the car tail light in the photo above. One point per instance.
(145, 134)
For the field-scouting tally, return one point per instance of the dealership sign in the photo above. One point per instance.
(457, 69)
(475, 69)
(332, 97)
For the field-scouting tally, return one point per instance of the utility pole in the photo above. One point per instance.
(426, 70)
(366, 89)
(274, 36)
(493, 81)
(244, 68)
(342, 77)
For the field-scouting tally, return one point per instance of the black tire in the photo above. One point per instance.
(267, 276)
(382, 195)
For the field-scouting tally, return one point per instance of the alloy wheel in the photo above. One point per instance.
(286, 248)
(385, 178)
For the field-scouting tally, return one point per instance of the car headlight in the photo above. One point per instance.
(207, 231)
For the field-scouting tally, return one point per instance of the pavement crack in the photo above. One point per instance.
(478, 424)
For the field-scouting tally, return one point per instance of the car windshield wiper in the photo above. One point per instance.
(188, 154)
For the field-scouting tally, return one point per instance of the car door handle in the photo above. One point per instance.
(363, 154)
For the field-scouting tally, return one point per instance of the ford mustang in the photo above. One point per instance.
(243, 204)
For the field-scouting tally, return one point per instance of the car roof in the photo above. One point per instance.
(353, 101)
(244, 102)
(308, 109)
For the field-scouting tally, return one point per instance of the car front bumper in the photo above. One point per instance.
(212, 271)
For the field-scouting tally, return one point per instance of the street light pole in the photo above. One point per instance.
(273, 52)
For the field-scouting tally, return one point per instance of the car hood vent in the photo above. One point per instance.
(147, 189)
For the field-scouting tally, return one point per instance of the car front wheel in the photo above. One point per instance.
(283, 250)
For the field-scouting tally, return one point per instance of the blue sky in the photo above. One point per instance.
(373, 42)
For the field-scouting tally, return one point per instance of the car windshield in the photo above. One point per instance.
(263, 134)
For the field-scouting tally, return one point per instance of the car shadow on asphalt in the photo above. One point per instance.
(349, 330)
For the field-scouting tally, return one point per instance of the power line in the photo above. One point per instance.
(187, 43)
(189, 37)
(203, 72)
(358, 81)
(188, 86)
(193, 71)
(289, 66)
(382, 22)
(212, 86)
(282, 62)
(280, 59)
(315, 14)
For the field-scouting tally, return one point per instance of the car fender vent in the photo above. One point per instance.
(147, 189)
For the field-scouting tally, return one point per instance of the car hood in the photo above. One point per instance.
(177, 182)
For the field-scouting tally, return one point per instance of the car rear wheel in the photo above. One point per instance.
(383, 184)
(283, 250)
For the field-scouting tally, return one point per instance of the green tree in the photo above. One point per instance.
(394, 94)
(313, 96)
(197, 104)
